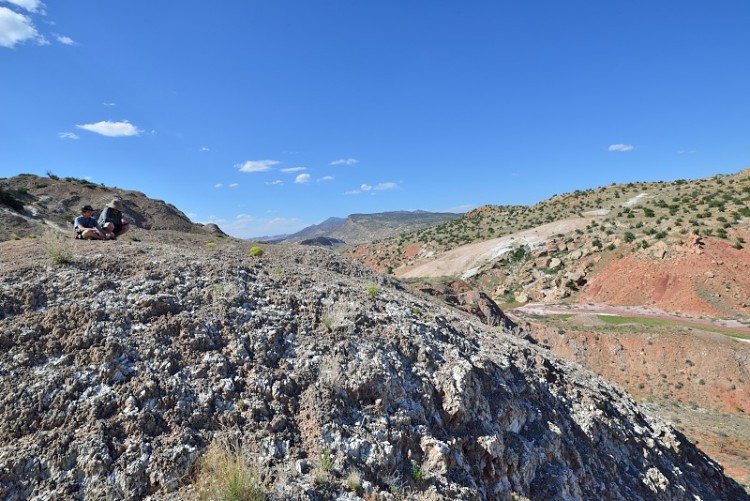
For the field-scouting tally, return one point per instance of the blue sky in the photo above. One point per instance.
(268, 116)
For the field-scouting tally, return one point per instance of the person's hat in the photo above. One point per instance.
(87, 207)
(116, 203)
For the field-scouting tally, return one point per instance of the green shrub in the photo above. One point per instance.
(256, 251)
(417, 473)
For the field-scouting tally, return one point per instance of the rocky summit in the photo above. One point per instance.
(122, 364)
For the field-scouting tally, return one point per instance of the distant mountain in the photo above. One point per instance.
(363, 228)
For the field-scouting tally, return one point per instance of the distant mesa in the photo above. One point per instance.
(363, 228)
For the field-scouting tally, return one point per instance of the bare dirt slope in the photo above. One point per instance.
(699, 379)
(122, 364)
(710, 279)
(466, 260)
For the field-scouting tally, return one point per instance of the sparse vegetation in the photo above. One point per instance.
(60, 249)
(7, 198)
(226, 473)
(256, 251)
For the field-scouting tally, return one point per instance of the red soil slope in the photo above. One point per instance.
(711, 279)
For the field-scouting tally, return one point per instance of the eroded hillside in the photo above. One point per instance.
(122, 365)
(554, 250)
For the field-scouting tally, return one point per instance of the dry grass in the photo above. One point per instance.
(227, 473)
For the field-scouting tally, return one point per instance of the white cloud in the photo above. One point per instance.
(352, 192)
(621, 147)
(386, 186)
(234, 185)
(204, 149)
(302, 179)
(278, 182)
(345, 161)
(218, 185)
(109, 104)
(65, 40)
(365, 187)
(248, 226)
(35, 6)
(326, 178)
(67, 135)
(17, 28)
(257, 165)
(461, 208)
(293, 169)
(112, 129)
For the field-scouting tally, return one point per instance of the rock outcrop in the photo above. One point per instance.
(119, 369)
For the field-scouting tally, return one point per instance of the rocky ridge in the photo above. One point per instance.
(31, 204)
(121, 367)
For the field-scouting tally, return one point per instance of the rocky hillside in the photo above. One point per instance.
(29, 204)
(122, 374)
(551, 251)
(362, 228)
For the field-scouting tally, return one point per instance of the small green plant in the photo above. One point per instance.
(256, 251)
(211, 245)
(326, 461)
(417, 473)
(60, 249)
(13, 236)
(372, 291)
(354, 482)
(220, 289)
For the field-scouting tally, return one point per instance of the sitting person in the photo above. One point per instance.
(112, 219)
(86, 227)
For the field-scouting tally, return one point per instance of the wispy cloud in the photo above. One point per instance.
(345, 161)
(257, 165)
(293, 169)
(65, 40)
(17, 28)
(112, 129)
(277, 182)
(364, 188)
(109, 104)
(621, 147)
(686, 152)
(234, 185)
(302, 179)
(218, 185)
(248, 226)
(67, 135)
(385, 186)
(35, 6)
(461, 208)
(326, 178)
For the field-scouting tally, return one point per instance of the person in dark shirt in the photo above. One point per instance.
(112, 219)
(86, 227)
